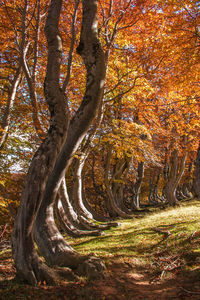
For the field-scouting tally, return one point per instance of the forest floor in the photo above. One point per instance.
(155, 255)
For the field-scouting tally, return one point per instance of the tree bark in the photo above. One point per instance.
(174, 177)
(27, 262)
(119, 180)
(137, 186)
(68, 208)
(70, 219)
(112, 205)
(50, 243)
(186, 190)
(77, 188)
(10, 101)
(67, 226)
(30, 78)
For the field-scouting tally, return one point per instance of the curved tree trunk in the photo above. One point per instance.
(99, 191)
(50, 243)
(137, 186)
(9, 105)
(96, 216)
(45, 174)
(77, 188)
(68, 208)
(67, 226)
(113, 208)
(27, 262)
(174, 177)
(70, 217)
(118, 182)
(186, 190)
(151, 187)
(31, 78)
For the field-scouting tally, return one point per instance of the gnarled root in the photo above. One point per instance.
(32, 270)
(92, 267)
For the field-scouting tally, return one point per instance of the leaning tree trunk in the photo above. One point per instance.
(4, 126)
(113, 207)
(174, 177)
(77, 188)
(67, 217)
(118, 182)
(67, 226)
(137, 186)
(31, 77)
(186, 190)
(50, 242)
(170, 192)
(196, 181)
(151, 180)
(77, 193)
(27, 262)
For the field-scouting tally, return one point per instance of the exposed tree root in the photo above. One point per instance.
(32, 270)
(92, 268)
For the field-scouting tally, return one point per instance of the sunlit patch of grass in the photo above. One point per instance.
(137, 238)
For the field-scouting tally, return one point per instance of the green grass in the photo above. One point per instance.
(135, 240)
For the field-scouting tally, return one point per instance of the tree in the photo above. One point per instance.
(55, 153)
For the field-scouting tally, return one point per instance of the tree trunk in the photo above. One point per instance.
(118, 182)
(155, 189)
(186, 190)
(71, 219)
(174, 177)
(96, 215)
(169, 188)
(137, 186)
(77, 188)
(50, 243)
(114, 209)
(67, 226)
(53, 156)
(27, 262)
(10, 101)
(68, 208)
(100, 191)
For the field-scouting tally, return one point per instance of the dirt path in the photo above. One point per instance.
(127, 282)
(122, 281)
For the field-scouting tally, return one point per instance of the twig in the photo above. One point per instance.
(196, 293)
(158, 230)
(3, 231)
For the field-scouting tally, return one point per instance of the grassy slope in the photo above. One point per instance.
(161, 243)
(143, 240)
